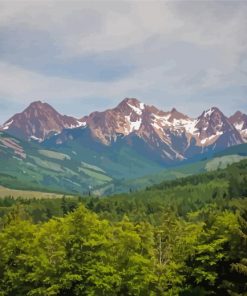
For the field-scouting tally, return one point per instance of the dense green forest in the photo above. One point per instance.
(181, 237)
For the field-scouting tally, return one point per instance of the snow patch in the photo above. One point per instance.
(154, 124)
(244, 132)
(203, 141)
(244, 135)
(190, 126)
(134, 125)
(163, 120)
(79, 124)
(36, 139)
(136, 109)
(168, 154)
(7, 124)
(239, 126)
(208, 112)
(142, 106)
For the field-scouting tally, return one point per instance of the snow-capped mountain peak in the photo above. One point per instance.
(169, 135)
(210, 111)
(212, 124)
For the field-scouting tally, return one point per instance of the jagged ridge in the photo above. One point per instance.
(167, 136)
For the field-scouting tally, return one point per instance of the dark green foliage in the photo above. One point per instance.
(182, 237)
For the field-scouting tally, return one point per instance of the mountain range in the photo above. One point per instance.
(127, 142)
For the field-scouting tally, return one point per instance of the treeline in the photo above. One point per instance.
(180, 196)
(183, 237)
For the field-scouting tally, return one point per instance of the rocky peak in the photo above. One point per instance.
(38, 121)
(38, 104)
(239, 120)
(175, 114)
(211, 117)
(212, 124)
(129, 105)
(131, 101)
(123, 119)
(236, 117)
(171, 134)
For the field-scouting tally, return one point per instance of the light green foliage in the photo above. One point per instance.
(47, 164)
(93, 167)
(15, 243)
(218, 230)
(183, 237)
(54, 154)
(222, 162)
(95, 174)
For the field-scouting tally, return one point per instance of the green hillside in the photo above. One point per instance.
(26, 165)
(77, 168)
(218, 161)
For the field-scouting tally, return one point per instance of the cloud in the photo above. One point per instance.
(180, 53)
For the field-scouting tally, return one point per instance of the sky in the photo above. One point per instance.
(84, 56)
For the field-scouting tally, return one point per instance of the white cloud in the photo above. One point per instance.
(81, 27)
(178, 48)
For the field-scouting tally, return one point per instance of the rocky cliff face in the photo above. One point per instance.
(169, 136)
(38, 121)
(239, 120)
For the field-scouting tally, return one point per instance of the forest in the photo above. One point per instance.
(181, 237)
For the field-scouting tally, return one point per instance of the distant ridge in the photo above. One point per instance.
(166, 136)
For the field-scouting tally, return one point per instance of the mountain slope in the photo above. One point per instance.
(217, 161)
(77, 168)
(111, 150)
(239, 120)
(118, 159)
(26, 165)
(72, 169)
(38, 121)
(166, 137)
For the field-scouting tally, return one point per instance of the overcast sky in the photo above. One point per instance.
(84, 56)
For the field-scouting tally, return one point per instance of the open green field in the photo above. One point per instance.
(26, 194)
